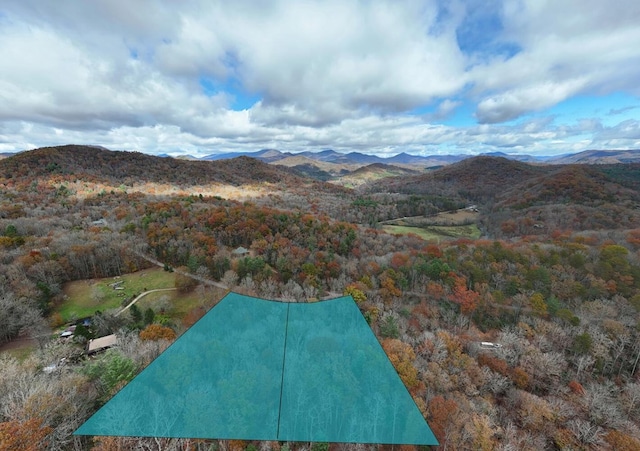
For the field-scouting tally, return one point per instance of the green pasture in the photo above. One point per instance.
(436, 233)
(85, 297)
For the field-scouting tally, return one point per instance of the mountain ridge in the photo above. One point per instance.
(271, 155)
(331, 156)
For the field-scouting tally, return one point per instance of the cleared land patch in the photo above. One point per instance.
(19, 348)
(85, 297)
(436, 233)
(455, 217)
(448, 225)
(177, 305)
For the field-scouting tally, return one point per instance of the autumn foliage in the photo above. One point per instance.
(467, 299)
(157, 332)
(555, 282)
(402, 357)
(441, 417)
(29, 435)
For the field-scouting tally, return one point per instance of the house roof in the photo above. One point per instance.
(254, 369)
(98, 344)
(240, 250)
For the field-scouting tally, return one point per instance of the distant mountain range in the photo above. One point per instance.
(274, 156)
(353, 160)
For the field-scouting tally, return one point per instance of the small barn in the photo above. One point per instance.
(102, 343)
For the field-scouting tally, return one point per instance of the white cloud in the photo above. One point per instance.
(568, 47)
(514, 103)
(335, 73)
(334, 56)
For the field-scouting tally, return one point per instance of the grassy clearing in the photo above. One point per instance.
(447, 218)
(85, 297)
(177, 304)
(436, 233)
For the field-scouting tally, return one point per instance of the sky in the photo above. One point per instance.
(381, 77)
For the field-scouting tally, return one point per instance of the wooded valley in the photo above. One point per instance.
(553, 281)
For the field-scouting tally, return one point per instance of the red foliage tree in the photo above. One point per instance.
(441, 412)
(467, 299)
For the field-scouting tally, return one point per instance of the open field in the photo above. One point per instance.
(446, 218)
(448, 225)
(85, 297)
(436, 233)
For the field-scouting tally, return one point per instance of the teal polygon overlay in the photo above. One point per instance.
(253, 369)
(220, 379)
(339, 385)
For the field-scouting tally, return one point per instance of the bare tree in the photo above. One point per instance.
(587, 433)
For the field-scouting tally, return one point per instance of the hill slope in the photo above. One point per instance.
(373, 172)
(600, 157)
(518, 198)
(133, 167)
(477, 179)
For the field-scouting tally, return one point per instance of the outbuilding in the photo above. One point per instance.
(102, 343)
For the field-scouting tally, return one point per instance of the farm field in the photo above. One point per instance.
(448, 225)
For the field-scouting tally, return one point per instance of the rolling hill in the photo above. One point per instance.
(373, 172)
(317, 169)
(477, 178)
(91, 163)
(518, 198)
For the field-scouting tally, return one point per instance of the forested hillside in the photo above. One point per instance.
(553, 284)
(133, 167)
(520, 199)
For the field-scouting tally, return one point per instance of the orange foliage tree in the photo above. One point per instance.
(29, 435)
(157, 332)
(402, 357)
(621, 441)
(388, 288)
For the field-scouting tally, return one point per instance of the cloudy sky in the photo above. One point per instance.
(380, 77)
